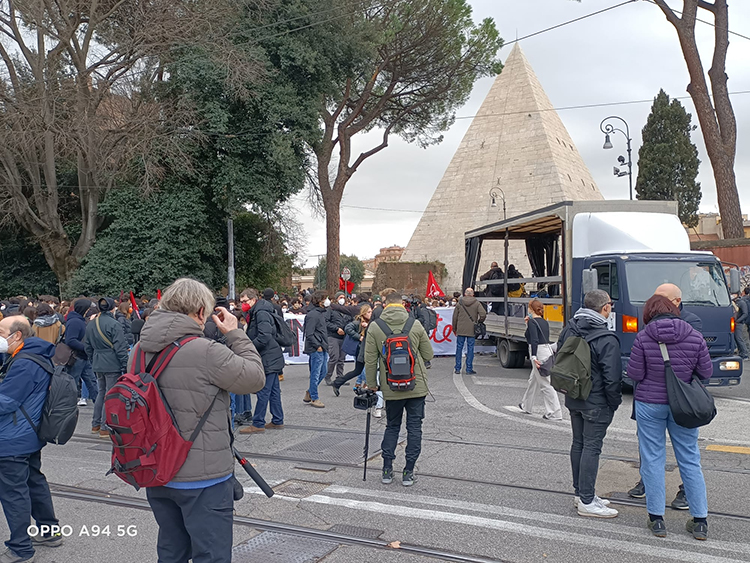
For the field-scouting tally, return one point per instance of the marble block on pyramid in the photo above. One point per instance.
(516, 143)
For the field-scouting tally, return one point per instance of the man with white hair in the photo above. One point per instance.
(24, 492)
(194, 510)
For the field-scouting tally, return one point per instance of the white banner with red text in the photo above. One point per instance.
(443, 339)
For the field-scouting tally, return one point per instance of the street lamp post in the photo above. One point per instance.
(494, 193)
(608, 129)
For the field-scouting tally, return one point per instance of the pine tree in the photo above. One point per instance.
(668, 160)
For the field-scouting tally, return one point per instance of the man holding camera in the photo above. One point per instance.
(395, 317)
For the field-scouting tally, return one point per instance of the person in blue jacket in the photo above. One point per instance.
(75, 332)
(24, 492)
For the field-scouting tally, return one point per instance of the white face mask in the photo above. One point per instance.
(327, 303)
(284, 309)
(342, 300)
(3, 345)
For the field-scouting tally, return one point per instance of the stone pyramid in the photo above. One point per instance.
(517, 143)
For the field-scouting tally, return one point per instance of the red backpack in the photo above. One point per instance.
(398, 355)
(148, 449)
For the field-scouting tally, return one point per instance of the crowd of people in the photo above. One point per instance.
(240, 355)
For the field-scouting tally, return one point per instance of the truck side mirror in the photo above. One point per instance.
(590, 280)
(734, 280)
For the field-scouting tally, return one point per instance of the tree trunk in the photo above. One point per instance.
(333, 247)
(716, 117)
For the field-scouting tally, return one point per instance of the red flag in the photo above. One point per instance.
(346, 286)
(135, 306)
(433, 289)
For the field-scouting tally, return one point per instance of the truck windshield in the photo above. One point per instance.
(702, 283)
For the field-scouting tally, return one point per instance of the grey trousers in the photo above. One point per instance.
(336, 357)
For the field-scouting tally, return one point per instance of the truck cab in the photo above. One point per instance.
(630, 279)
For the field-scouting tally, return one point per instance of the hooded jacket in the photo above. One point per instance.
(316, 334)
(48, 328)
(200, 371)
(463, 325)
(606, 364)
(75, 328)
(25, 384)
(262, 331)
(395, 317)
(105, 358)
(688, 354)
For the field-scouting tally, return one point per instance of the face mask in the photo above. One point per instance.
(231, 307)
(342, 301)
(245, 307)
(327, 303)
(3, 345)
(284, 309)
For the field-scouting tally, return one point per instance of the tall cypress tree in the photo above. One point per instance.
(668, 160)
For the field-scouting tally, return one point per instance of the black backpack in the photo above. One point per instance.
(399, 358)
(60, 412)
(428, 318)
(285, 336)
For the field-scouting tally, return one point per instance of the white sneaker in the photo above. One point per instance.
(576, 500)
(596, 510)
(378, 413)
(82, 402)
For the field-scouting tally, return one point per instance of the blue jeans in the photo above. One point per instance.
(318, 368)
(243, 403)
(469, 340)
(270, 393)
(24, 494)
(81, 370)
(653, 423)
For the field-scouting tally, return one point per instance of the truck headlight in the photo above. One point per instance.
(729, 366)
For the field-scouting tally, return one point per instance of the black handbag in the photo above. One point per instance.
(691, 404)
(480, 329)
(545, 367)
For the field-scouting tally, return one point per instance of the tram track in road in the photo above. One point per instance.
(88, 495)
(465, 480)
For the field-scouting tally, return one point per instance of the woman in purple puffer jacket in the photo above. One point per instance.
(688, 354)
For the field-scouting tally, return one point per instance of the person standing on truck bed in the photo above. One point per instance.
(495, 290)
(591, 417)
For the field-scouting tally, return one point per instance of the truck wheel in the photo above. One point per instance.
(504, 354)
(518, 359)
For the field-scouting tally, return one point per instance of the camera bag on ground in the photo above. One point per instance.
(148, 449)
(399, 359)
(285, 336)
(691, 404)
(60, 411)
(571, 374)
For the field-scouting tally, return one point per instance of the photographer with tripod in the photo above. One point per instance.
(398, 346)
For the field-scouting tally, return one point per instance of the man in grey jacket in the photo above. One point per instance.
(194, 510)
(468, 311)
(107, 350)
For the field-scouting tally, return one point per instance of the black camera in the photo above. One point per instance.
(364, 399)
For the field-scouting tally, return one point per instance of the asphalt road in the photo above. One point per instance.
(493, 484)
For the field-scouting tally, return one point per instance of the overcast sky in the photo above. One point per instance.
(623, 55)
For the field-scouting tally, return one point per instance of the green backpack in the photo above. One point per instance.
(571, 374)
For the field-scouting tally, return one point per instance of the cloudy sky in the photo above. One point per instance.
(623, 55)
